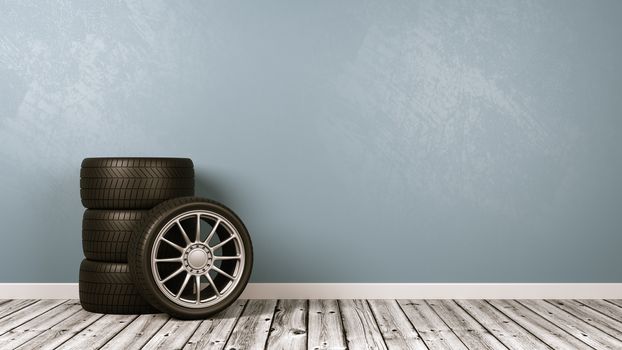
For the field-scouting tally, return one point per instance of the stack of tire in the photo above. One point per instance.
(150, 246)
(118, 193)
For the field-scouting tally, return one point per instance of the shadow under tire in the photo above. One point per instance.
(191, 258)
(108, 288)
(106, 233)
(134, 183)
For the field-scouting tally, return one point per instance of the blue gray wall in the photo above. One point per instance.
(361, 141)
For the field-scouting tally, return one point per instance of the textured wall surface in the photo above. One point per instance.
(362, 141)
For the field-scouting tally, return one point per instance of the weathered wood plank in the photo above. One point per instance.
(38, 325)
(251, 331)
(552, 335)
(325, 330)
(431, 328)
(137, 333)
(289, 328)
(360, 326)
(99, 332)
(604, 307)
(61, 332)
(588, 334)
(472, 334)
(27, 313)
(173, 335)
(507, 331)
(590, 316)
(11, 306)
(396, 329)
(616, 302)
(213, 333)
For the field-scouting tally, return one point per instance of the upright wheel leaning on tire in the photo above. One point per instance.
(191, 258)
(134, 183)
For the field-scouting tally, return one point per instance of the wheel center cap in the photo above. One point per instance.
(197, 258)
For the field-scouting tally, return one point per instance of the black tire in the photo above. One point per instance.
(106, 233)
(142, 243)
(134, 183)
(108, 288)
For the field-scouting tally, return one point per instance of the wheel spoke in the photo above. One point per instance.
(211, 282)
(211, 234)
(223, 273)
(232, 257)
(172, 275)
(197, 236)
(183, 286)
(197, 280)
(183, 233)
(169, 260)
(176, 246)
(222, 243)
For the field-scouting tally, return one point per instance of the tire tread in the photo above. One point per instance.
(108, 288)
(137, 162)
(134, 183)
(106, 233)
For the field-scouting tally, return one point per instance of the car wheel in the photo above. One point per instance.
(191, 258)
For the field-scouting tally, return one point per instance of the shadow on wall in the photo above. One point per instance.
(211, 186)
(223, 188)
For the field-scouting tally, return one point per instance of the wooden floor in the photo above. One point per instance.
(324, 324)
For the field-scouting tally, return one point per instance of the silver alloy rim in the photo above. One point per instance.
(193, 271)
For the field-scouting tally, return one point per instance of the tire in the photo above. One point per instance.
(108, 288)
(166, 285)
(134, 183)
(106, 233)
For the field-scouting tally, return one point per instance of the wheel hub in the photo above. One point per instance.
(197, 258)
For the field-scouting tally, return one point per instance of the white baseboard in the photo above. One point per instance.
(365, 291)
(38, 291)
(433, 291)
